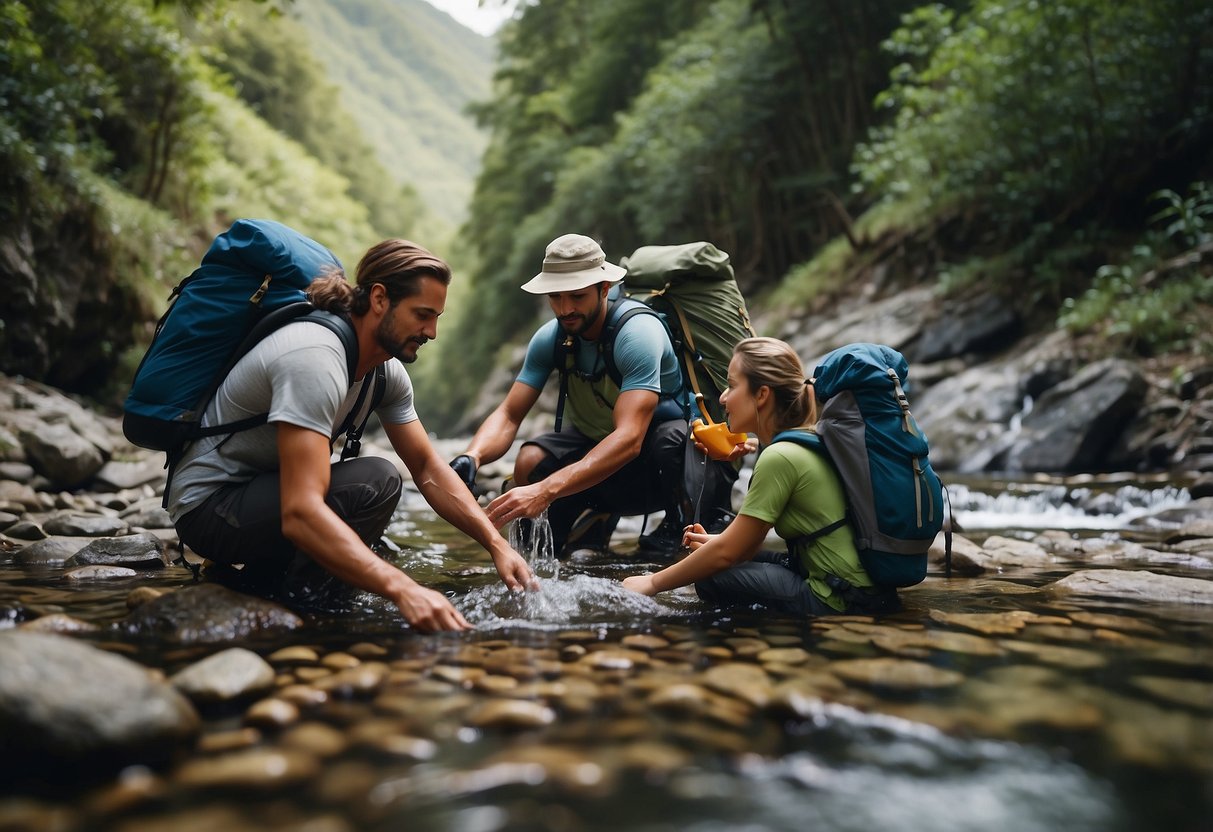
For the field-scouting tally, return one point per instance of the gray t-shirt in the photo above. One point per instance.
(297, 375)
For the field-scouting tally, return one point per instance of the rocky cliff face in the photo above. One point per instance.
(66, 314)
(994, 396)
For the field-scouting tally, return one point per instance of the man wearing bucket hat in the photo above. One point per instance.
(623, 452)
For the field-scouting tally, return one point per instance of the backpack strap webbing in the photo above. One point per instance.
(563, 356)
(810, 440)
(353, 435)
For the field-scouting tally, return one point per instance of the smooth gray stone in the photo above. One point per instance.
(63, 702)
(84, 525)
(136, 551)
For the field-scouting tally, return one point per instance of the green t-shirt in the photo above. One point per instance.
(798, 491)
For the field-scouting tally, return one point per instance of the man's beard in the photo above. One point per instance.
(578, 324)
(396, 347)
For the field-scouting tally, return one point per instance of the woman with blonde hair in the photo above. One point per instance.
(794, 490)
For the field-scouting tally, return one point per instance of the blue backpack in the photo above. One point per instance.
(251, 281)
(894, 498)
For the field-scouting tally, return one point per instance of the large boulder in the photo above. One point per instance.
(1074, 424)
(63, 702)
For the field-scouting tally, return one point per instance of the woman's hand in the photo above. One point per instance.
(642, 584)
(694, 536)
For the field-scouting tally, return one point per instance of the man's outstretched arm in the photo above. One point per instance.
(309, 523)
(450, 498)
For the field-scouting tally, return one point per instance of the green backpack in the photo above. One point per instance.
(693, 287)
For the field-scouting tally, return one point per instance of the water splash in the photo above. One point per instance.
(562, 600)
(1060, 506)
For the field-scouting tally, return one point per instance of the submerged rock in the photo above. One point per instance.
(208, 614)
(1141, 584)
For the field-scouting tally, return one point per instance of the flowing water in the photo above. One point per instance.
(988, 703)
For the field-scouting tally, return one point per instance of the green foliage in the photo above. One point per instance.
(1186, 218)
(1034, 110)
(1159, 299)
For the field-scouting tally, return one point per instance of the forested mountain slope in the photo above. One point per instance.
(407, 72)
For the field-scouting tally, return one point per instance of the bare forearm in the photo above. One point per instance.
(452, 501)
(493, 438)
(603, 460)
(333, 545)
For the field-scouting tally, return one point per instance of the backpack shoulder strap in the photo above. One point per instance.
(808, 439)
(618, 315)
(301, 311)
(353, 434)
(805, 438)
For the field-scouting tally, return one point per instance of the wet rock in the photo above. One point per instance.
(1140, 584)
(99, 572)
(747, 682)
(1058, 655)
(1007, 551)
(994, 623)
(1022, 705)
(296, 654)
(136, 551)
(511, 714)
(1201, 529)
(60, 454)
(208, 614)
(59, 622)
(26, 530)
(272, 713)
(231, 740)
(967, 557)
(226, 676)
(84, 525)
(569, 770)
(1188, 693)
(63, 702)
(54, 551)
(256, 770)
(315, 738)
(1074, 423)
(898, 674)
(141, 595)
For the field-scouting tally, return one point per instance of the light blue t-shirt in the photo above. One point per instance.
(643, 355)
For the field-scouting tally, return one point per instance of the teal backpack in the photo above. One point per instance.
(252, 280)
(894, 499)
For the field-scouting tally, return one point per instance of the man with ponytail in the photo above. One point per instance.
(793, 489)
(270, 499)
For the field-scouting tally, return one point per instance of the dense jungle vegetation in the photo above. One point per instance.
(1051, 151)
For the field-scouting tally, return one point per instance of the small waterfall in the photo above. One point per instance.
(1059, 505)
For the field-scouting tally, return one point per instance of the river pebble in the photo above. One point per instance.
(255, 769)
(898, 674)
(226, 676)
(511, 714)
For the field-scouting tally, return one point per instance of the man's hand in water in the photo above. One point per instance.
(642, 584)
(427, 611)
(514, 571)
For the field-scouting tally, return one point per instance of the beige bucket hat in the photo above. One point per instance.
(572, 262)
